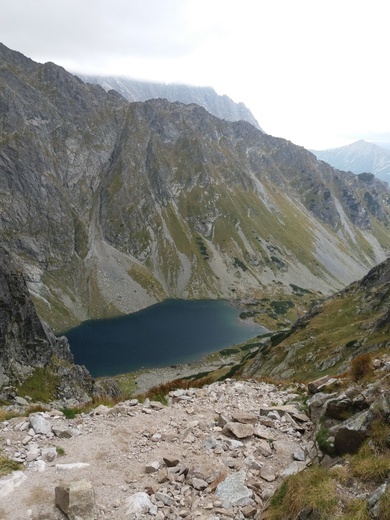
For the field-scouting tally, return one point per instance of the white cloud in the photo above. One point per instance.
(314, 72)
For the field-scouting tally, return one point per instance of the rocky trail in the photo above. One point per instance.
(218, 452)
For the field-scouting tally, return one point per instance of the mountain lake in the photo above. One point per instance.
(168, 333)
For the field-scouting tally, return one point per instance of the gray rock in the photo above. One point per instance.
(77, 500)
(49, 454)
(10, 482)
(245, 418)
(264, 448)
(152, 467)
(62, 432)
(165, 499)
(139, 503)
(199, 483)
(267, 474)
(293, 468)
(285, 448)
(239, 430)
(72, 465)
(21, 400)
(40, 424)
(233, 490)
(350, 434)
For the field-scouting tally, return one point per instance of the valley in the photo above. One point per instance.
(111, 208)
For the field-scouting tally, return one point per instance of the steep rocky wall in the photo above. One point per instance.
(25, 341)
(27, 344)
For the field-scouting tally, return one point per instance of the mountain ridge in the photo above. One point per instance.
(359, 157)
(110, 206)
(220, 106)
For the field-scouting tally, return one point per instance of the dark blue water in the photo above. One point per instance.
(168, 333)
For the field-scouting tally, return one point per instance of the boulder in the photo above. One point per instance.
(77, 500)
(39, 424)
(233, 490)
(350, 434)
(138, 504)
(239, 430)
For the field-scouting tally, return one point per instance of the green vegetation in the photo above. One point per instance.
(41, 385)
(323, 442)
(312, 489)
(7, 466)
(60, 451)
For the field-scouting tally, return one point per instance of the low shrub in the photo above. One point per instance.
(361, 367)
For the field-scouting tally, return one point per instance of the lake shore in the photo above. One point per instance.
(142, 380)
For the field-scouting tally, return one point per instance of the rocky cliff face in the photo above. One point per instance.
(25, 341)
(110, 206)
(28, 344)
(220, 106)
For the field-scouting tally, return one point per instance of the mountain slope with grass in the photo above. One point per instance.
(353, 322)
(109, 206)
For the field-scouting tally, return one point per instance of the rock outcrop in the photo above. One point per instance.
(28, 344)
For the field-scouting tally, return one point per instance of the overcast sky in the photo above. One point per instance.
(315, 72)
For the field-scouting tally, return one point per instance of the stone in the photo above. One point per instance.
(233, 490)
(10, 482)
(74, 465)
(165, 499)
(156, 405)
(223, 420)
(299, 454)
(33, 452)
(199, 483)
(101, 410)
(267, 474)
(49, 454)
(264, 433)
(313, 386)
(21, 400)
(245, 418)
(39, 424)
(264, 448)
(152, 467)
(139, 503)
(350, 434)
(170, 461)
(293, 468)
(337, 407)
(239, 430)
(37, 465)
(252, 463)
(77, 500)
(62, 432)
(285, 448)
(249, 511)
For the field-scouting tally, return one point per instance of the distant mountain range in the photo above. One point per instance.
(206, 97)
(359, 157)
